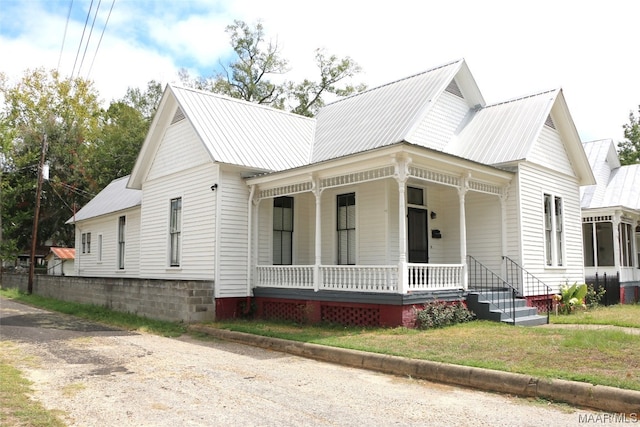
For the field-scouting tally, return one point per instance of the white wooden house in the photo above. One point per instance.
(407, 192)
(60, 261)
(611, 220)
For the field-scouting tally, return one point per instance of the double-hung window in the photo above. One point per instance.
(346, 228)
(175, 227)
(553, 230)
(86, 243)
(626, 255)
(122, 222)
(283, 231)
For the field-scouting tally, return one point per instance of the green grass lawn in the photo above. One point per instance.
(627, 315)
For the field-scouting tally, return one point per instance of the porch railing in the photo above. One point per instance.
(285, 276)
(539, 292)
(427, 277)
(366, 278)
(362, 278)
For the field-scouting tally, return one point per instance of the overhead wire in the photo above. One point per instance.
(101, 35)
(81, 39)
(86, 46)
(64, 36)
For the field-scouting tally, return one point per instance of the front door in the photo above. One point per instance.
(417, 236)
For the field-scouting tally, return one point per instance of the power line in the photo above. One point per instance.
(81, 39)
(100, 41)
(86, 46)
(64, 37)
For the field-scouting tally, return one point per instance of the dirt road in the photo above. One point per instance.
(99, 376)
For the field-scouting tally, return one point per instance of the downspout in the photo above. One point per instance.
(247, 307)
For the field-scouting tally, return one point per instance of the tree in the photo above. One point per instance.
(629, 150)
(252, 76)
(123, 129)
(68, 113)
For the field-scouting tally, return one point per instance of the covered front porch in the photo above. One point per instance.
(396, 221)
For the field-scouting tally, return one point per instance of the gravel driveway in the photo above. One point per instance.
(99, 376)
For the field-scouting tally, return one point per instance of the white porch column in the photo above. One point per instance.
(462, 192)
(401, 175)
(250, 238)
(616, 241)
(318, 242)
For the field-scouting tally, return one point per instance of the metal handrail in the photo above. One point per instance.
(515, 273)
(488, 283)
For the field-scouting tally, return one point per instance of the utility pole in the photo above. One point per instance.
(36, 215)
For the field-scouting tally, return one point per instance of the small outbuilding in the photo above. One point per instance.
(61, 261)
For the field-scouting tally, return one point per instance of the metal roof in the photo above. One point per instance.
(113, 198)
(378, 117)
(64, 253)
(503, 132)
(247, 134)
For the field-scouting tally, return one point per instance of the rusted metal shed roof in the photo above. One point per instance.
(247, 134)
(64, 253)
(113, 198)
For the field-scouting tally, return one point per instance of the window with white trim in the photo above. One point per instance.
(99, 247)
(122, 222)
(283, 230)
(346, 225)
(175, 231)
(626, 254)
(86, 243)
(553, 231)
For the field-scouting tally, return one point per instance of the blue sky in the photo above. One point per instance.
(513, 48)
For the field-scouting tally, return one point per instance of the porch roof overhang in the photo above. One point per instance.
(419, 162)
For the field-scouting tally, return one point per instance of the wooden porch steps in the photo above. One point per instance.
(497, 306)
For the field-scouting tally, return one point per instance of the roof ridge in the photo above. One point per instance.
(238, 100)
(396, 81)
(520, 98)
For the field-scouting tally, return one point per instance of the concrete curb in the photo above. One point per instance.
(604, 398)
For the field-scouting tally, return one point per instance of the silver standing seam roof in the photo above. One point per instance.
(618, 186)
(246, 134)
(113, 198)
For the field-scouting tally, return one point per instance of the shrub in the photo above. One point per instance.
(570, 298)
(594, 296)
(437, 314)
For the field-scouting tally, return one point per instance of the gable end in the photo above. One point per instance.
(454, 89)
(549, 122)
(178, 116)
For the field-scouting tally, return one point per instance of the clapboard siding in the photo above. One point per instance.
(549, 151)
(513, 229)
(180, 149)
(233, 228)
(535, 181)
(198, 224)
(484, 229)
(88, 264)
(441, 122)
(372, 208)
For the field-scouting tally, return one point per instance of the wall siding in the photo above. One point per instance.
(87, 264)
(549, 151)
(233, 228)
(441, 122)
(484, 229)
(180, 149)
(535, 181)
(198, 224)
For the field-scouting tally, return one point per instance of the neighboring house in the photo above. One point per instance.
(389, 198)
(60, 261)
(611, 220)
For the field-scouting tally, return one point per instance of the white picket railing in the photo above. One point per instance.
(359, 278)
(362, 278)
(285, 276)
(428, 277)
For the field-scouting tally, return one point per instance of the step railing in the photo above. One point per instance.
(540, 295)
(493, 287)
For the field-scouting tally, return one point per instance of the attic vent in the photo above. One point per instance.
(178, 116)
(454, 89)
(549, 122)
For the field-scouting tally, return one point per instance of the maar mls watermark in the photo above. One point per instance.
(606, 418)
